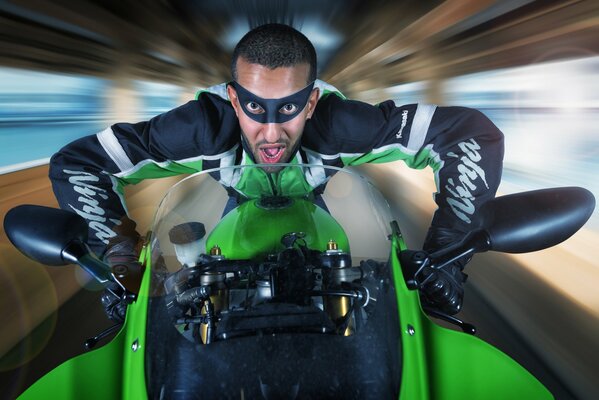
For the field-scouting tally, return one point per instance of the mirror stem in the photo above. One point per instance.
(78, 253)
(475, 242)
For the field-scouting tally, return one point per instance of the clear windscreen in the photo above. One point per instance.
(348, 198)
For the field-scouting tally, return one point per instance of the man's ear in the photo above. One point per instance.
(314, 96)
(233, 99)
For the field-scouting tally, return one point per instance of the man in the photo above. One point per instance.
(274, 111)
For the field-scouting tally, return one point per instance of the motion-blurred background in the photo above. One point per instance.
(70, 68)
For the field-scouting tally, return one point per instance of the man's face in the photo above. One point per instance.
(271, 142)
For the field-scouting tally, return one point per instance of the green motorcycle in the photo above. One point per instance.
(294, 293)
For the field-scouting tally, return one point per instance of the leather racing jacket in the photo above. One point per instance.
(464, 149)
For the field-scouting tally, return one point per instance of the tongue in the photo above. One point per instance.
(272, 151)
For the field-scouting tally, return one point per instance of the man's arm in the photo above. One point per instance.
(463, 147)
(83, 179)
(468, 164)
(89, 174)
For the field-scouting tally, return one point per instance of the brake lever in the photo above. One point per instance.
(414, 262)
(464, 326)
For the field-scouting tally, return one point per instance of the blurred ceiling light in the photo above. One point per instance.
(320, 34)
(569, 84)
(164, 57)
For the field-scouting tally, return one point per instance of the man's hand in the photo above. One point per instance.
(114, 307)
(122, 253)
(443, 288)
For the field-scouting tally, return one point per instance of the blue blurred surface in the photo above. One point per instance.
(41, 112)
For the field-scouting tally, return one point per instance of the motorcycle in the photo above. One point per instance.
(294, 293)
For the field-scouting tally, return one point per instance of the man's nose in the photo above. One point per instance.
(272, 132)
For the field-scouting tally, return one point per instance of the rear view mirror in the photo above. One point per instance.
(42, 233)
(53, 237)
(535, 220)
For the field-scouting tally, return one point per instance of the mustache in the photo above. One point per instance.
(281, 142)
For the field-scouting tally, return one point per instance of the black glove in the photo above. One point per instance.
(121, 251)
(443, 288)
(114, 307)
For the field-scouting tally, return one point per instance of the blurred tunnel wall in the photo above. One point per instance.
(69, 69)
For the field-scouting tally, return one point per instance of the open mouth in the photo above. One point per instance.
(272, 154)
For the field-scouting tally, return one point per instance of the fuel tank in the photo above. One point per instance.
(255, 228)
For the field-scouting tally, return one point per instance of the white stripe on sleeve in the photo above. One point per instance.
(114, 149)
(420, 124)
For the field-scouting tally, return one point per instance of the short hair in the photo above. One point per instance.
(273, 46)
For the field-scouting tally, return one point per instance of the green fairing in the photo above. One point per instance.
(135, 326)
(94, 375)
(110, 372)
(440, 363)
(250, 231)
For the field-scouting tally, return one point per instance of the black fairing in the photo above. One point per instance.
(272, 365)
(535, 220)
(41, 233)
(278, 366)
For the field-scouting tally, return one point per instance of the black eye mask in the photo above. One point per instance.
(272, 107)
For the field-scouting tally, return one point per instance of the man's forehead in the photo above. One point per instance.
(272, 83)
